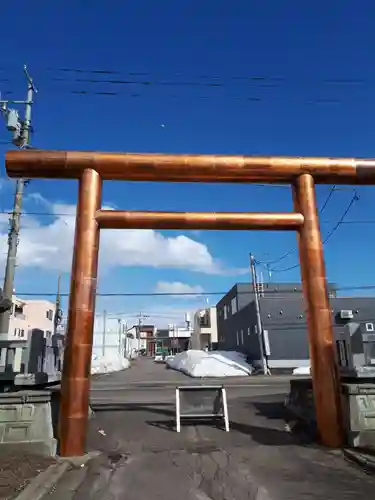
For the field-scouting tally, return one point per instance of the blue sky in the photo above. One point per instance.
(247, 77)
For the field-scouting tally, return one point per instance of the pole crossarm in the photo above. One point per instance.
(188, 168)
(113, 219)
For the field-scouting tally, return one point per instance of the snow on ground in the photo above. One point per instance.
(301, 370)
(111, 362)
(210, 364)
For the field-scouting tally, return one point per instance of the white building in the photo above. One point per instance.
(205, 327)
(29, 314)
(112, 336)
(175, 331)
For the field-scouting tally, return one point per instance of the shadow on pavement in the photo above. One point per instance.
(271, 410)
(263, 435)
(170, 425)
(159, 408)
(247, 420)
(301, 431)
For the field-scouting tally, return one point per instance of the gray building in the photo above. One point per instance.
(283, 316)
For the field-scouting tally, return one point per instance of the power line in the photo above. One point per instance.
(242, 98)
(294, 250)
(113, 78)
(251, 78)
(341, 220)
(174, 97)
(131, 79)
(329, 235)
(272, 292)
(144, 79)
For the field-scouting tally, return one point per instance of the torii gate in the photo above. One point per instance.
(92, 168)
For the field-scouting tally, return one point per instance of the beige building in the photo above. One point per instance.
(205, 327)
(29, 314)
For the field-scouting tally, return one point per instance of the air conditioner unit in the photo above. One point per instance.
(346, 314)
(356, 350)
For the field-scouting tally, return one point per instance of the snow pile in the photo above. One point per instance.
(301, 370)
(112, 362)
(210, 364)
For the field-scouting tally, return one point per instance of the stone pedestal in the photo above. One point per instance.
(358, 409)
(358, 404)
(26, 422)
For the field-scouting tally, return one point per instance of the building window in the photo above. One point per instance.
(18, 332)
(234, 305)
(248, 331)
(204, 320)
(238, 342)
(18, 310)
(225, 312)
(242, 337)
(49, 314)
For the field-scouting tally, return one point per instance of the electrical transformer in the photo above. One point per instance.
(355, 344)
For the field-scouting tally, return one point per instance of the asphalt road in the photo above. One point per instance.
(151, 382)
(143, 457)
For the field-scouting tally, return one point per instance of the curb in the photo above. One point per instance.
(42, 484)
(367, 462)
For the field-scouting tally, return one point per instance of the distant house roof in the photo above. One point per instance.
(146, 327)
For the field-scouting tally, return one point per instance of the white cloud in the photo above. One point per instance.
(39, 199)
(178, 287)
(48, 244)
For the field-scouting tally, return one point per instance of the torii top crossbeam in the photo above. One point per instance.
(187, 168)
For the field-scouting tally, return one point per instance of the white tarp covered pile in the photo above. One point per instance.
(301, 370)
(111, 362)
(210, 364)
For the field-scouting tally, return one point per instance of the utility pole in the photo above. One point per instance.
(125, 333)
(58, 311)
(140, 316)
(104, 332)
(119, 337)
(258, 316)
(21, 130)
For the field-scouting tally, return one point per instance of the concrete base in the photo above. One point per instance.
(358, 406)
(26, 422)
(358, 403)
(29, 421)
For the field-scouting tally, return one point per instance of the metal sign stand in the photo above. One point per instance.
(210, 403)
